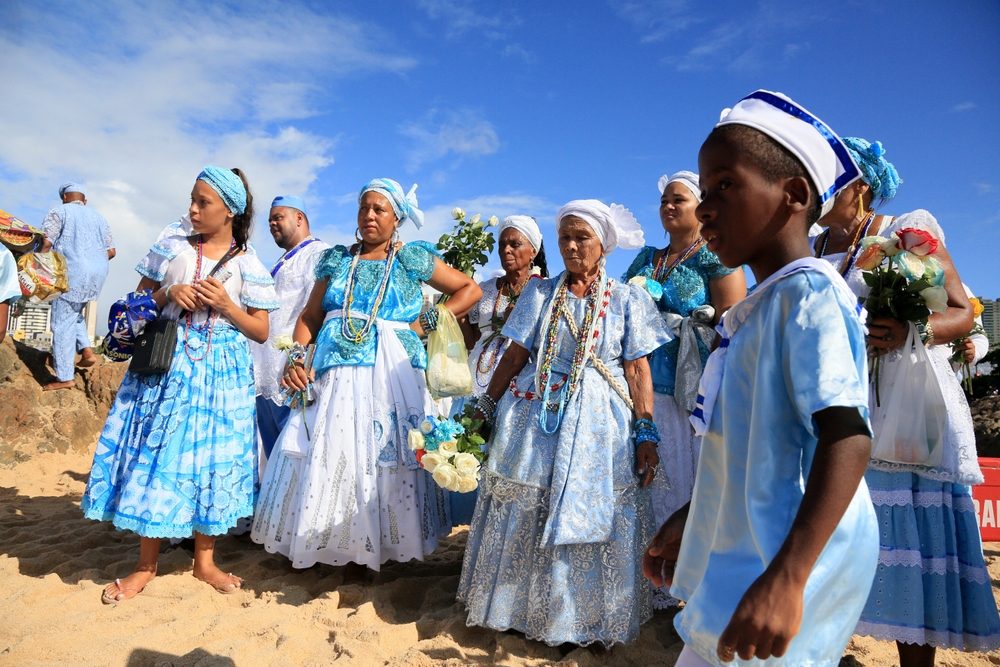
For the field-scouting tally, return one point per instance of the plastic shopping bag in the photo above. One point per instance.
(909, 426)
(43, 276)
(448, 372)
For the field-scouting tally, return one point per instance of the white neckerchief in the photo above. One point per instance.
(715, 367)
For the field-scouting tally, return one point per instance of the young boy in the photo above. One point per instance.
(775, 551)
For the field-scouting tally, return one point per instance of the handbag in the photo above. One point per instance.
(154, 347)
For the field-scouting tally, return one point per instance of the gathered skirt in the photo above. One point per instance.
(350, 491)
(674, 481)
(931, 586)
(178, 453)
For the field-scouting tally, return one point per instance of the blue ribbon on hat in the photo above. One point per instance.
(403, 205)
(229, 186)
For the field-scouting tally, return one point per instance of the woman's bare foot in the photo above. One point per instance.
(221, 581)
(87, 358)
(125, 589)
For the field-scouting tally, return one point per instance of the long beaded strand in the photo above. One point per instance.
(211, 316)
(662, 271)
(347, 328)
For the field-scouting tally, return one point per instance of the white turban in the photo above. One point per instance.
(614, 225)
(686, 178)
(822, 153)
(524, 224)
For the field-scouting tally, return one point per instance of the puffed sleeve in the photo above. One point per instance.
(524, 321)
(641, 261)
(258, 285)
(328, 265)
(154, 264)
(919, 219)
(418, 260)
(644, 327)
(823, 347)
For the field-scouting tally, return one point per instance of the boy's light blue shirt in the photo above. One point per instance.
(800, 350)
(10, 289)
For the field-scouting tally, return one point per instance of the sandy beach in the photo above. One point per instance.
(54, 563)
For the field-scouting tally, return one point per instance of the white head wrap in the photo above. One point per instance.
(524, 224)
(687, 178)
(809, 139)
(614, 225)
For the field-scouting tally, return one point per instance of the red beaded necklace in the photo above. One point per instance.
(212, 316)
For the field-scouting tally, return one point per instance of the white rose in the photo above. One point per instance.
(457, 213)
(415, 439)
(475, 218)
(467, 464)
(467, 483)
(891, 246)
(448, 448)
(427, 426)
(431, 460)
(283, 342)
(445, 475)
(936, 299)
(638, 281)
(493, 221)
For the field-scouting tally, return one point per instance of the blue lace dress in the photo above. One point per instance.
(350, 489)
(178, 453)
(685, 289)
(556, 540)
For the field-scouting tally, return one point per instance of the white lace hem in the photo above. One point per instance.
(903, 497)
(939, 566)
(925, 636)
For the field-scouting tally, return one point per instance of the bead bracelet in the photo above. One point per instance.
(429, 320)
(488, 407)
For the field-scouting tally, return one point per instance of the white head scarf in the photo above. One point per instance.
(524, 224)
(810, 140)
(614, 225)
(687, 178)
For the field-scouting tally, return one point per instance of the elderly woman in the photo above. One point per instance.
(344, 486)
(522, 256)
(563, 516)
(931, 588)
(696, 290)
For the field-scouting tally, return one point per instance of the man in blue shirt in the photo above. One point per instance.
(83, 237)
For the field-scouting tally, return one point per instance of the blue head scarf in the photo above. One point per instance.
(229, 186)
(404, 206)
(876, 171)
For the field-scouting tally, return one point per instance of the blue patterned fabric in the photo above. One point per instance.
(931, 586)
(403, 205)
(685, 289)
(83, 237)
(69, 336)
(799, 351)
(414, 265)
(584, 584)
(876, 171)
(228, 185)
(179, 450)
(127, 318)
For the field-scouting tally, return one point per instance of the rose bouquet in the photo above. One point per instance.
(467, 246)
(905, 282)
(451, 450)
(285, 343)
(958, 356)
(653, 287)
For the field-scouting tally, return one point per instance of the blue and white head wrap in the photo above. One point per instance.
(876, 171)
(291, 201)
(71, 187)
(823, 154)
(689, 179)
(229, 186)
(404, 206)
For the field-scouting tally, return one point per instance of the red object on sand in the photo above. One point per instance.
(986, 497)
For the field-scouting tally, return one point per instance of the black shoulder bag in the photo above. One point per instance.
(154, 347)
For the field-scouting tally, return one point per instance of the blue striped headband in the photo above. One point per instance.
(229, 186)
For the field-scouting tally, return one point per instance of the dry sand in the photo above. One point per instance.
(54, 563)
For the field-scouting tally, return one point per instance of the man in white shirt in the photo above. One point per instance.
(294, 278)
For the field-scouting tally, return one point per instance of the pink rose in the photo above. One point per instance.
(870, 257)
(917, 241)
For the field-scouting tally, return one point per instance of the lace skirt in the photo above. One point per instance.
(178, 452)
(351, 491)
(674, 481)
(931, 586)
(579, 593)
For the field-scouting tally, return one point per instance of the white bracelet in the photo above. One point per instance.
(166, 294)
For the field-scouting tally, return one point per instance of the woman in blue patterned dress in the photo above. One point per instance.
(343, 486)
(932, 588)
(556, 540)
(697, 289)
(178, 454)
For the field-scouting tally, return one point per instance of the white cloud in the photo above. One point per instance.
(461, 17)
(985, 188)
(656, 20)
(518, 51)
(964, 106)
(462, 133)
(136, 104)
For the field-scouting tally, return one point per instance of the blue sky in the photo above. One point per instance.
(498, 107)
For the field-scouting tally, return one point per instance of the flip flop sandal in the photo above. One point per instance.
(108, 598)
(222, 584)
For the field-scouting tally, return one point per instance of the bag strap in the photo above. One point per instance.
(232, 252)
